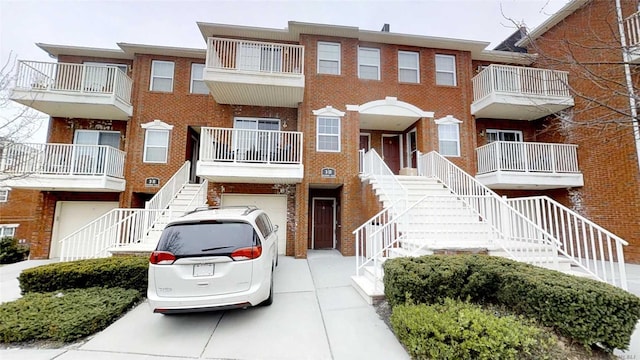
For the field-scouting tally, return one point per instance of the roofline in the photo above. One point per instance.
(56, 50)
(552, 21)
(132, 49)
(506, 57)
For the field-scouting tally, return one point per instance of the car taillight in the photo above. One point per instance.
(162, 258)
(247, 253)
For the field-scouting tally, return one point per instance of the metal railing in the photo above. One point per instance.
(62, 159)
(250, 146)
(375, 169)
(264, 57)
(527, 157)
(74, 78)
(594, 247)
(168, 192)
(518, 80)
(632, 29)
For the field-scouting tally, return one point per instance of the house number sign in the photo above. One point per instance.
(328, 172)
(151, 182)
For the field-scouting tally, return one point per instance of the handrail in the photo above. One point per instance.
(375, 168)
(581, 238)
(162, 198)
(264, 57)
(519, 80)
(632, 27)
(527, 157)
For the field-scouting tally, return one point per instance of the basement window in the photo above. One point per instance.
(8, 230)
(4, 195)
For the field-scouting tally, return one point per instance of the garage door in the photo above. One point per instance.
(72, 215)
(274, 205)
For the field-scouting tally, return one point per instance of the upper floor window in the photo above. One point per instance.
(328, 58)
(162, 76)
(503, 135)
(97, 137)
(4, 195)
(156, 141)
(408, 67)
(449, 136)
(369, 63)
(197, 82)
(446, 70)
(328, 129)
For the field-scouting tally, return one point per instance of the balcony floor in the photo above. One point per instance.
(518, 107)
(71, 183)
(516, 180)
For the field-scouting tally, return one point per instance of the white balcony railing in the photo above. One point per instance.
(230, 54)
(250, 146)
(527, 157)
(74, 78)
(517, 80)
(62, 159)
(632, 29)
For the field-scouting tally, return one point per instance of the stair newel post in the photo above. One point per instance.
(505, 217)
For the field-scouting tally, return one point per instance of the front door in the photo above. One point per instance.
(391, 152)
(323, 223)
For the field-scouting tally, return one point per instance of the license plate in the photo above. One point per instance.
(202, 270)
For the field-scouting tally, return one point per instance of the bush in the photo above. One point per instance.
(459, 330)
(63, 316)
(12, 252)
(585, 310)
(129, 272)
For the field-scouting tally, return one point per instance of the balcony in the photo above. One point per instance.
(74, 90)
(254, 73)
(632, 32)
(63, 167)
(250, 156)
(519, 93)
(528, 166)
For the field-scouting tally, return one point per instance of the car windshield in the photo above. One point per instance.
(207, 238)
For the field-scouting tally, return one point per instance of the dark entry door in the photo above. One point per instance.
(323, 221)
(364, 142)
(391, 152)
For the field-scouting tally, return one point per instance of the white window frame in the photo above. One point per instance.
(361, 63)
(416, 69)
(328, 112)
(446, 121)
(4, 195)
(338, 60)
(500, 134)
(201, 80)
(454, 71)
(153, 76)
(4, 227)
(156, 127)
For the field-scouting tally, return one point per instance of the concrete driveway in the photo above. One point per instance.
(316, 314)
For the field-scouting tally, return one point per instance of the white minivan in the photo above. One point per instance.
(213, 259)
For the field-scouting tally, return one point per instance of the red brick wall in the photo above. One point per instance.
(20, 209)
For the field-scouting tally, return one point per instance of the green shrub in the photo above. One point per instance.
(12, 252)
(129, 272)
(459, 330)
(589, 311)
(66, 315)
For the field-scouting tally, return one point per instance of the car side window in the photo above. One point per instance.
(264, 229)
(269, 224)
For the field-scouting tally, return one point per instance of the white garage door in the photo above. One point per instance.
(71, 216)
(274, 205)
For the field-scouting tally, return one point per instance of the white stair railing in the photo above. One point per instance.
(374, 168)
(162, 198)
(594, 247)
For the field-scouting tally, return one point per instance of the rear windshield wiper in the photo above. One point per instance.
(215, 248)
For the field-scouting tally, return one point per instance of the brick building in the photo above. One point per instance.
(278, 118)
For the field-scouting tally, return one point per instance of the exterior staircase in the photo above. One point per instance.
(445, 210)
(125, 230)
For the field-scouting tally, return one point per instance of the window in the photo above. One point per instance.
(408, 65)
(8, 230)
(161, 76)
(449, 136)
(328, 58)
(156, 141)
(503, 135)
(369, 63)
(446, 70)
(4, 195)
(93, 159)
(197, 84)
(328, 134)
(250, 143)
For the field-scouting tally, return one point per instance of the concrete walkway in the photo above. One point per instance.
(316, 314)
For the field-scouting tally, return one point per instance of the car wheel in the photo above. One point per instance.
(269, 300)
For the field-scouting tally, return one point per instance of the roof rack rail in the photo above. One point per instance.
(249, 208)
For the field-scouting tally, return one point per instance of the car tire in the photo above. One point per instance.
(269, 300)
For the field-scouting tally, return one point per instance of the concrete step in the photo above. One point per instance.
(369, 291)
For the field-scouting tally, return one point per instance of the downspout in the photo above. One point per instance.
(629, 81)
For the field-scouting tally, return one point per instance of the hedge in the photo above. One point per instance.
(64, 315)
(11, 251)
(129, 272)
(459, 330)
(589, 311)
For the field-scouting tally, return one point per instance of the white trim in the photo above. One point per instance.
(157, 125)
(10, 226)
(201, 79)
(313, 220)
(338, 135)
(4, 195)
(449, 120)
(153, 76)
(408, 141)
(390, 106)
(454, 71)
(368, 135)
(400, 147)
(416, 69)
(339, 60)
(361, 63)
(328, 111)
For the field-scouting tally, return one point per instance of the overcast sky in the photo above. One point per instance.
(173, 23)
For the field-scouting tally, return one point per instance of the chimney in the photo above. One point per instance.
(385, 28)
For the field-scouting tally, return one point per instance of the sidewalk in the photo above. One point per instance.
(316, 314)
